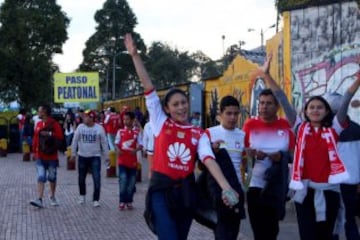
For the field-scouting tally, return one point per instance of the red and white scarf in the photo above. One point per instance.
(338, 172)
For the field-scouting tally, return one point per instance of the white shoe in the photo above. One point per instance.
(96, 204)
(53, 201)
(81, 199)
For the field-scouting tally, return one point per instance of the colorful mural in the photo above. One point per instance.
(325, 51)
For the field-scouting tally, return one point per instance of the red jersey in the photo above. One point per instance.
(127, 140)
(316, 157)
(112, 123)
(56, 132)
(21, 121)
(269, 138)
(176, 145)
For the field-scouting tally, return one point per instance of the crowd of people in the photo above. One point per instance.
(313, 159)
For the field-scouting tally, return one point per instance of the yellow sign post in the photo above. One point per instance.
(76, 87)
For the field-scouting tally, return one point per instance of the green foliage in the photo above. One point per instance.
(206, 67)
(284, 5)
(169, 67)
(114, 20)
(31, 32)
(164, 65)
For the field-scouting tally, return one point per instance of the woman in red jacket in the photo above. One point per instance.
(171, 196)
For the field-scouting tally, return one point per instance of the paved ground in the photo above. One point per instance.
(19, 220)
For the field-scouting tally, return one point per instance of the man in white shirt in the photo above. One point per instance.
(88, 143)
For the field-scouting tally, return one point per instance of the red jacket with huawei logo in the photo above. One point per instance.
(176, 145)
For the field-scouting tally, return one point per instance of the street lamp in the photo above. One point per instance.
(262, 32)
(114, 71)
(223, 44)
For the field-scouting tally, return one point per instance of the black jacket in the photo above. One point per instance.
(276, 189)
(208, 189)
(161, 182)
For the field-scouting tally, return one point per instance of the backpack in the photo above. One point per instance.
(48, 144)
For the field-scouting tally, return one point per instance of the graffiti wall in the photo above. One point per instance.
(325, 51)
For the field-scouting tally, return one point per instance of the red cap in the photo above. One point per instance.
(91, 113)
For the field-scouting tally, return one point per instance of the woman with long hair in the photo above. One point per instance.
(317, 167)
(171, 195)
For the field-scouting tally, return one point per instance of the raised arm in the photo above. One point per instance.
(342, 113)
(139, 65)
(278, 92)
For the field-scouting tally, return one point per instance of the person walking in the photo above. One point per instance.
(317, 169)
(128, 142)
(112, 124)
(69, 128)
(229, 137)
(47, 136)
(171, 198)
(270, 142)
(349, 152)
(89, 143)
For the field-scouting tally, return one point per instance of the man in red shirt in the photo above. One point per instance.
(47, 134)
(128, 142)
(112, 123)
(268, 137)
(21, 117)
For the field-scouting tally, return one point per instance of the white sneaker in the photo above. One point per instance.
(81, 199)
(96, 204)
(53, 201)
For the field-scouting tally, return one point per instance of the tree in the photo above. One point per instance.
(31, 31)
(206, 67)
(106, 45)
(169, 67)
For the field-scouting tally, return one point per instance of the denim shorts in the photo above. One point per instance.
(46, 170)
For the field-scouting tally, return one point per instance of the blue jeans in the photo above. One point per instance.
(84, 163)
(46, 169)
(127, 181)
(68, 139)
(111, 141)
(169, 226)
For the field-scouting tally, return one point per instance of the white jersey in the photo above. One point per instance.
(233, 142)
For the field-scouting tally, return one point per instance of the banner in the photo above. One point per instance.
(76, 87)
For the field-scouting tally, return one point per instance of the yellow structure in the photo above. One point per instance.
(237, 81)
(70, 165)
(3, 147)
(111, 169)
(26, 151)
(76, 87)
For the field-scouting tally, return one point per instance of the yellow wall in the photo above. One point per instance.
(139, 100)
(236, 81)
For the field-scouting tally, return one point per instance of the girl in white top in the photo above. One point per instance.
(176, 145)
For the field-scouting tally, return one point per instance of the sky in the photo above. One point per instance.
(188, 25)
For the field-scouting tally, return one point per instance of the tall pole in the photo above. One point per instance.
(107, 83)
(223, 44)
(113, 83)
(262, 39)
